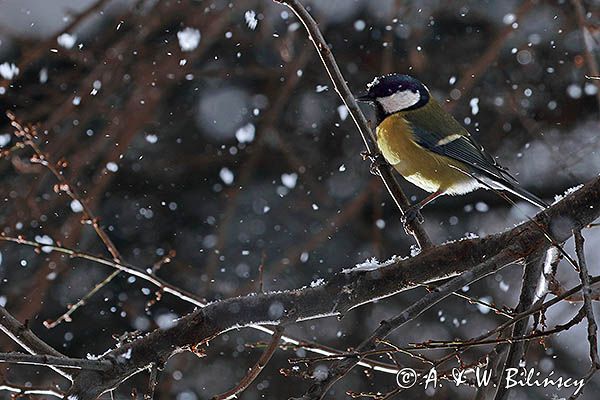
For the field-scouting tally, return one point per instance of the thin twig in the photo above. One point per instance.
(29, 134)
(256, 369)
(431, 345)
(476, 71)
(119, 267)
(592, 328)
(56, 361)
(25, 338)
(190, 298)
(532, 271)
(261, 270)
(358, 117)
(349, 289)
(152, 380)
(590, 59)
(30, 391)
(340, 368)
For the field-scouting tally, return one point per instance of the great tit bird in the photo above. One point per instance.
(428, 147)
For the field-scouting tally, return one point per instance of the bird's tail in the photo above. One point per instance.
(509, 184)
(522, 193)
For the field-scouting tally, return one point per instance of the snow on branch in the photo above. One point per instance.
(344, 291)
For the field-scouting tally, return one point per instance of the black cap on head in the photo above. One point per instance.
(387, 85)
(396, 92)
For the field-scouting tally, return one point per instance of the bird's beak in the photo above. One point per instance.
(365, 98)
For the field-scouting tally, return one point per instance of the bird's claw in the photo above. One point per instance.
(412, 214)
(377, 161)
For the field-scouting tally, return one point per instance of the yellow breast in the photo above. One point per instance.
(427, 170)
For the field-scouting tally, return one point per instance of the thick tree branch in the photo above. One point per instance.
(25, 338)
(340, 368)
(344, 291)
(191, 298)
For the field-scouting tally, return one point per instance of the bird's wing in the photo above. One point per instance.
(441, 133)
(462, 148)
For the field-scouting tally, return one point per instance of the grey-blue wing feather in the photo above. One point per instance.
(463, 149)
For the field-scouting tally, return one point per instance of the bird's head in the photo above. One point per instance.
(396, 92)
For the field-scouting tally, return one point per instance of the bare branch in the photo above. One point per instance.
(339, 369)
(152, 380)
(25, 338)
(30, 391)
(477, 69)
(65, 362)
(589, 51)
(189, 297)
(29, 134)
(588, 308)
(345, 291)
(256, 369)
(358, 117)
(516, 350)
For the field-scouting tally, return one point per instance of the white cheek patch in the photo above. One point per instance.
(399, 101)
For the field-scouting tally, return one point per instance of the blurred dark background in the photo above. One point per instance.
(210, 128)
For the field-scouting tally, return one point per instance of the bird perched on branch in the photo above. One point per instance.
(428, 147)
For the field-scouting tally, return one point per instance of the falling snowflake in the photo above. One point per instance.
(289, 180)
(43, 75)
(474, 103)
(251, 20)
(226, 176)
(189, 38)
(112, 167)
(76, 206)
(8, 71)
(245, 134)
(342, 112)
(4, 139)
(47, 240)
(66, 40)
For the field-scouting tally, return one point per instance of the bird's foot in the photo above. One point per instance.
(377, 161)
(412, 214)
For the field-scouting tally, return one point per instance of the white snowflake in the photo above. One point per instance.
(76, 206)
(66, 40)
(189, 38)
(112, 167)
(371, 264)
(8, 71)
(317, 282)
(246, 133)
(474, 103)
(226, 175)
(4, 139)
(342, 112)
(374, 82)
(289, 180)
(251, 20)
